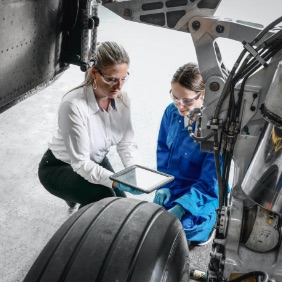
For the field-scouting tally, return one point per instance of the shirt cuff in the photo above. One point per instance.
(105, 179)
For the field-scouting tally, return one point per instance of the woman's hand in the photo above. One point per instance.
(162, 196)
(125, 188)
(177, 211)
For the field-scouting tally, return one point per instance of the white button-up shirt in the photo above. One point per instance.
(85, 134)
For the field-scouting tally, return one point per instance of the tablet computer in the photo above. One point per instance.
(142, 178)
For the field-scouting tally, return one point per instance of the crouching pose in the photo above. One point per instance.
(193, 195)
(92, 117)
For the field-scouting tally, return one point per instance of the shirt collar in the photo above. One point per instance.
(113, 104)
(92, 102)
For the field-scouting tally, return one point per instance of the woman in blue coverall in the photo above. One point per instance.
(193, 195)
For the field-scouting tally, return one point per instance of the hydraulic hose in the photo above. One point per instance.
(251, 274)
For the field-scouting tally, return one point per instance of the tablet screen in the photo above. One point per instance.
(142, 178)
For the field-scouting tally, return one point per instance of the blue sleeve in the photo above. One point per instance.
(163, 151)
(202, 197)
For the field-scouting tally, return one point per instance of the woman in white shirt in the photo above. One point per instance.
(92, 117)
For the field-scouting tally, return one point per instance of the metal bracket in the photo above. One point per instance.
(254, 53)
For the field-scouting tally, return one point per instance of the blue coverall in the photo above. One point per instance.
(195, 185)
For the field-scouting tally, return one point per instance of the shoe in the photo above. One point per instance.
(211, 237)
(71, 204)
(193, 244)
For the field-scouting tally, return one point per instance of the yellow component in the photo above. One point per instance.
(270, 221)
(236, 275)
(276, 140)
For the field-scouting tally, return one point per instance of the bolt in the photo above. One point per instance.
(83, 67)
(214, 86)
(127, 12)
(196, 25)
(220, 28)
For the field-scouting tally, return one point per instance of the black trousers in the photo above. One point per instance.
(60, 180)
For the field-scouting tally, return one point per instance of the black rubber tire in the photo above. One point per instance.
(115, 239)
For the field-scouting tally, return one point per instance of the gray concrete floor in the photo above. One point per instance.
(29, 215)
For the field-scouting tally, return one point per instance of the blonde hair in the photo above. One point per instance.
(107, 53)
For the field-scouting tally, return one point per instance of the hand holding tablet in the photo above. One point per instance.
(142, 178)
(125, 188)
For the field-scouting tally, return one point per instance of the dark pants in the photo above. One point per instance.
(60, 180)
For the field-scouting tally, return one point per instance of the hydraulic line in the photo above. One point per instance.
(221, 188)
(252, 274)
(226, 88)
(241, 70)
(265, 30)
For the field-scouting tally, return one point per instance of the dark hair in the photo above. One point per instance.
(189, 76)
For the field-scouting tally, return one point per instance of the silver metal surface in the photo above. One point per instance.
(173, 14)
(94, 32)
(85, 13)
(29, 46)
(272, 104)
(264, 235)
(212, 66)
(235, 257)
(262, 182)
(211, 28)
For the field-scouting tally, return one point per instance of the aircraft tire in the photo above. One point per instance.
(115, 239)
